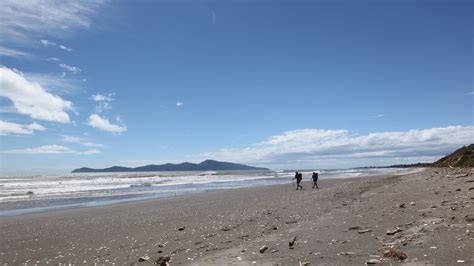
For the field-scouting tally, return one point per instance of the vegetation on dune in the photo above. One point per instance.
(463, 157)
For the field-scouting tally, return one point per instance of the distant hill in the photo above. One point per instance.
(208, 165)
(463, 157)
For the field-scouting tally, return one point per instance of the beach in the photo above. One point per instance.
(428, 215)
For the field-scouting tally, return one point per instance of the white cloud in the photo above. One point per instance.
(79, 140)
(65, 48)
(24, 21)
(89, 152)
(103, 101)
(10, 128)
(103, 124)
(304, 136)
(53, 59)
(102, 106)
(14, 53)
(72, 69)
(179, 104)
(47, 43)
(30, 98)
(47, 149)
(70, 139)
(470, 93)
(309, 146)
(379, 116)
(51, 149)
(54, 82)
(106, 97)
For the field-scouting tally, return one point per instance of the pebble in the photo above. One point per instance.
(394, 231)
(372, 261)
(365, 231)
(163, 261)
(144, 258)
(347, 253)
(292, 242)
(262, 249)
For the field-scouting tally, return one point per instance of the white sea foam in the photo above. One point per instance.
(71, 185)
(83, 185)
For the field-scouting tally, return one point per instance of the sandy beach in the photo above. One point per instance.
(427, 215)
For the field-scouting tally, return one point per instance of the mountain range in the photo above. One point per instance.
(207, 165)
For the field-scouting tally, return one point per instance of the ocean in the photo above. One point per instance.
(22, 194)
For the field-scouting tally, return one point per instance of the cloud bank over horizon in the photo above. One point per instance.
(306, 147)
(52, 149)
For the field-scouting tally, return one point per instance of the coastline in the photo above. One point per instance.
(230, 226)
(35, 194)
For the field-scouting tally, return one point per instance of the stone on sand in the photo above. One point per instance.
(144, 258)
(292, 242)
(393, 231)
(372, 261)
(163, 261)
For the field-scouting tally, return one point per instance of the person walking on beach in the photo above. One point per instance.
(315, 179)
(298, 177)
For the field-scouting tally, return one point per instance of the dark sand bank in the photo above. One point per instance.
(429, 216)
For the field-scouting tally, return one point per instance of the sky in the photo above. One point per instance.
(280, 84)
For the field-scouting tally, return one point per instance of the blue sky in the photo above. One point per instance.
(283, 84)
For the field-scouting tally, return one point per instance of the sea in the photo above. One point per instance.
(23, 194)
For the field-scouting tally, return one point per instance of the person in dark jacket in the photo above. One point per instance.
(315, 179)
(298, 177)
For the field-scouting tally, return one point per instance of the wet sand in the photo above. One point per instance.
(428, 215)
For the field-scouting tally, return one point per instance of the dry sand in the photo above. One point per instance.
(427, 215)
